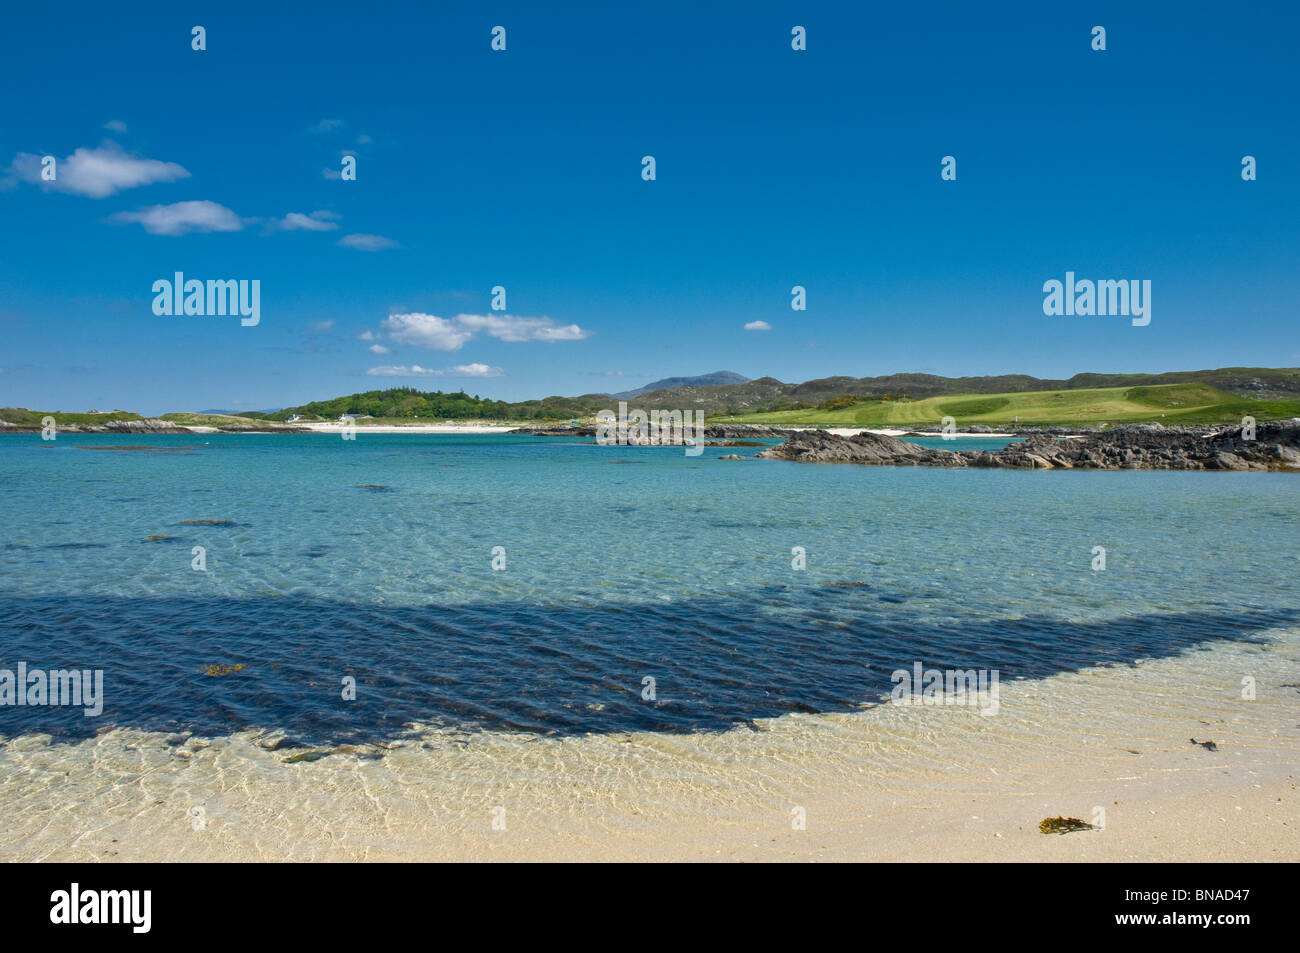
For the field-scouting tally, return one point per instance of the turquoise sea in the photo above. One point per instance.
(373, 559)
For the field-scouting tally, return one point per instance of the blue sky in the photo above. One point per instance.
(522, 169)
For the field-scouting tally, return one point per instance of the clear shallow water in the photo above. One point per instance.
(620, 563)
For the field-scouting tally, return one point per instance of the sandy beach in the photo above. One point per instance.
(893, 783)
(853, 431)
(334, 427)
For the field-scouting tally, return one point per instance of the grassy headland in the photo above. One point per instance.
(22, 417)
(220, 421)
(1162, 403)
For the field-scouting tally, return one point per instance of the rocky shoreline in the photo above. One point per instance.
(147, 425)
(1276, 446)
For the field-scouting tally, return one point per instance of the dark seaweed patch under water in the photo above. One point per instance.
(522, 667)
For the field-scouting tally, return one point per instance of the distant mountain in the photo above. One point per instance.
(716, 379)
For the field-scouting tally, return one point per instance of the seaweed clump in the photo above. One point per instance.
(218, 670)
(1063, 825)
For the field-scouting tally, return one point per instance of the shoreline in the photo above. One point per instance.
(889, 783)
(333, 427)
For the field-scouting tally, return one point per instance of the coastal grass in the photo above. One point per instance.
(185, 419)
(22, 417)
(1191, 403)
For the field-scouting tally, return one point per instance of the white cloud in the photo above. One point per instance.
(379, 349)
(440, 334)
(315, 222)
(367, 242)
(97, 173)
(181, 218)
(415, 370)
(758, 326)
(320, 326)
(327, 125)
(506, 327)
(115, 125)
(427, 331)
(474, 370)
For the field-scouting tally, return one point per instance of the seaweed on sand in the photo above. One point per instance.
(1063, 825)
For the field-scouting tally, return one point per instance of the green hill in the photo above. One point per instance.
(400, 402)
(1163, 403)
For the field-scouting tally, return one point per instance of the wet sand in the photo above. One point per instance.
(889, 783)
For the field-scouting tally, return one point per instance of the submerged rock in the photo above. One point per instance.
(307, 756)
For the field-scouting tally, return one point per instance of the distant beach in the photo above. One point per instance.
(336, 427)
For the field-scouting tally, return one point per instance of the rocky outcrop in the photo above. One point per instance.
(818, 446)
(745, 431)
(147, 425)
(564, 430)
(1276, 446)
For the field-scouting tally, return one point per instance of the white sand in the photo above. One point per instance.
(334, 427)
(852, 431)
(889, 783)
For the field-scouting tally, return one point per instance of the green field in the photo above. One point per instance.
(1164, 403)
